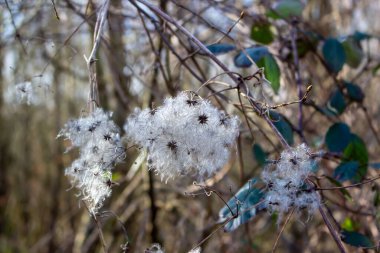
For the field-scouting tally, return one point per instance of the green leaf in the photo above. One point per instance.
(357, 151)
(337, 104)
(334, 55)
(244, 204)
(282, 126)
(305, 43)
(261, 32)
(271, 71)
(344, 191)
(356, 239)
(259, 154)
(286, 9)
(354, 92)
(220, 48)
(116, 176)
(256, 53)
(348, 224)
(338, 137)
(354, 53)
(346, 171)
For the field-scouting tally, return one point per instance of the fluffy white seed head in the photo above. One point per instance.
(185, 134)
(98, 140)
(156, 248)
(286, 182)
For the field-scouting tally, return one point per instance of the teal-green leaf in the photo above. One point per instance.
(261, 32)
(336, 103)
(359, 36)
(282, 126)
(354, 92)
(338, 137)
(271, 70)
(256, 53)
(353, 51)
(259, 154)
(220, 48)
(245, 205)
(346, 171)
(375, 166)
(286, 9)
(356, 239)
(357, 151)
(334, 55)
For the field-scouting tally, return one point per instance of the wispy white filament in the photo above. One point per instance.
(286, 182)
(98, 140)
(186, 134)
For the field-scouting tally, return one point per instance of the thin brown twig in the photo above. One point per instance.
(55, 10)
(18, 35)
(223, 224)
(346, 208)
(300, 101)
(99, 228)
(198, 77)
(348, 186)
(67, 40)
(282, 230)
(157, 54)
(333, 233)
(370, 123)
(93, 98)
(238, 81)
(208, 191)
(212, 233)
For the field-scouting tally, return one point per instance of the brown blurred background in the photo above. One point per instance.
(38, 212)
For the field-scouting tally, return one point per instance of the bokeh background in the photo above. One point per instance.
(43, 42)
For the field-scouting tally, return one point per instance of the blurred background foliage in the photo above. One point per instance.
(139, 64)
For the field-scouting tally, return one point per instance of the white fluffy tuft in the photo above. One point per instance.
(98, 140)
(184, 134)
(286, 182)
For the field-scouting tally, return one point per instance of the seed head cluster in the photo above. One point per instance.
(186, 134)
(156, 248)
(25, 92)
(98, 140)
(286, 182)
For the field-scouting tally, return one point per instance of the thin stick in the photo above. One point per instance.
(93, 98)
(18, 36)
(99, 227)
(205, 50)
(212, 233)
(332, 230)
(370, 123)
(348, 186)
(282, 230)
(55, 10)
